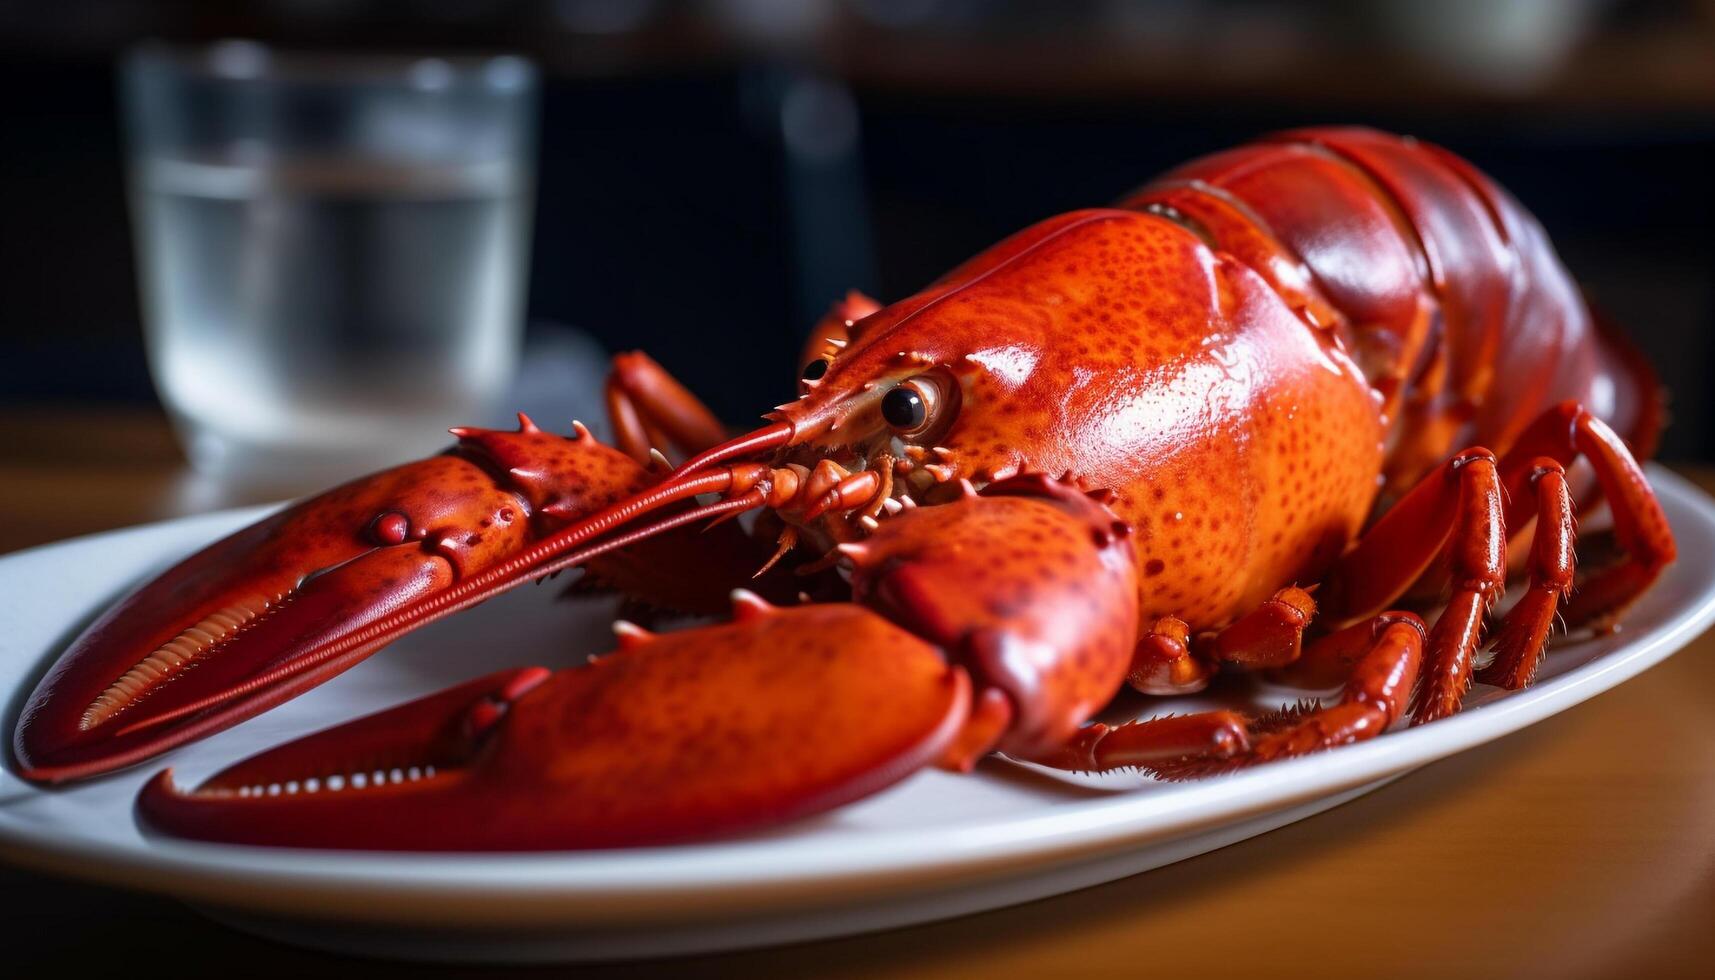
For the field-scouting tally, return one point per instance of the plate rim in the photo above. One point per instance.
(644, 885)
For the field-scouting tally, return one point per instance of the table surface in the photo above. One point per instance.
(1583, 846)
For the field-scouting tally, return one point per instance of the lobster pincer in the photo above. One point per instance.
(273, 610)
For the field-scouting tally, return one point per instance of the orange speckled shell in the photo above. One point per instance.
(563, 479)
(1445, 288)
(685, 735)
(1032, 593)
(1117, 346)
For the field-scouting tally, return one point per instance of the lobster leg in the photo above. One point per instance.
(1164, 664)
(1378, 662)
(1477, 550)
(1270, 635)
(1563, 434)
(1523, 634)
(649, 408)
(1535, 477)
(1208, 736)
(1375, 692)
(834, 330)
(1456, 507)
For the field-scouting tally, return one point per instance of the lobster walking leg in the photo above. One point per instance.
(1377, 661)
(1456, 507)
(1563, 434)
(1477, 548)
(1211, 736)
(1374, 696)
(649, 408)
(1163, 663)
(1270, 635)
(834, 330)
(1534, 474)
(1523, 634)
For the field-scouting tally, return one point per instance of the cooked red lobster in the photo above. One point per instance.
(1259, 416)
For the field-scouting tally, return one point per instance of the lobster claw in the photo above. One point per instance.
(401, 756)
(252, 620)
(234, 629)
(779, 714)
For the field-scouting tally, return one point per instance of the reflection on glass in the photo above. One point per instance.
(332, 251)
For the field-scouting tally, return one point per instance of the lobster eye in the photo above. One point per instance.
(815, 369)
(905, 407)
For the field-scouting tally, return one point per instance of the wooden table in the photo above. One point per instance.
(1581, 847)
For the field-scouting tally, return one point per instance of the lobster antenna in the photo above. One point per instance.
(767, 437)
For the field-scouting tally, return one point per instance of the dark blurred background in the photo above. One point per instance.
(713, 173)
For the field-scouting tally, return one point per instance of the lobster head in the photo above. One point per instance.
(1055, 350)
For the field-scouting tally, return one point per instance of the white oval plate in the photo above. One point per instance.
(936, 846)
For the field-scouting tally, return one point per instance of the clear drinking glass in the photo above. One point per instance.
(332, 250)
